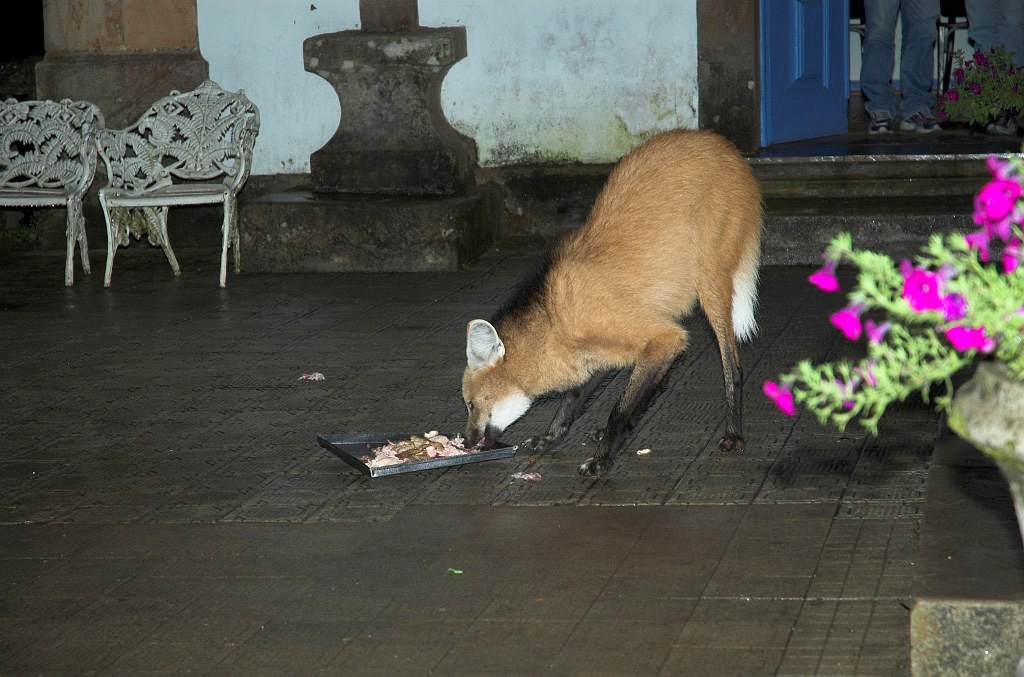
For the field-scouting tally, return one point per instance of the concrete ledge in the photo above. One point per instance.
(795, 237)
(968, 617)
(302, 231)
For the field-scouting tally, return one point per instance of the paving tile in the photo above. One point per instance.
(611, 647)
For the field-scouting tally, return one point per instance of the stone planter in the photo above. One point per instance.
(988, 412)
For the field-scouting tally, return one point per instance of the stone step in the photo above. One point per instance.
(870, 175)
(797, 230)
(893, 203)
(890, 203)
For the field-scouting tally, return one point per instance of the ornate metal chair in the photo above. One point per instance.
(48, 159)
(189, 148)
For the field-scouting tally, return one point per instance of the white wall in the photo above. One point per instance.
(545, 80)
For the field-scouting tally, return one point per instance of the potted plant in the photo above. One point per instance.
(987, 86)
(959, 303)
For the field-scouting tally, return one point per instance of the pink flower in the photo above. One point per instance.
(994, 205)
(781, 395)
(1001, 169)
(954, 307)
(825, 278)
(967, 338)
(958, 73)
(923, 290)
(974, 87)
(980, 241)
(847, 321)
(876, 332)
(1012, 255)
(980, 59)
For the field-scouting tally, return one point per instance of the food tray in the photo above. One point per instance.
(349, 448)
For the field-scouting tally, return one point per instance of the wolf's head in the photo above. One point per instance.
(492, 398)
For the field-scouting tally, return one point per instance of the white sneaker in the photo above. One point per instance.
(922, 122)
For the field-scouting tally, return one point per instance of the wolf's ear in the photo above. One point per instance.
(483, 347)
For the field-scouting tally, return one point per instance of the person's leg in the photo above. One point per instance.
(1011, 32)
(917, 58)
(878, 55)
(983, 20)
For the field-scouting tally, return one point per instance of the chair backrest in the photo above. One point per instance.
(204, 134)
(48, 145)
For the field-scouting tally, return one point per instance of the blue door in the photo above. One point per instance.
(805, 71)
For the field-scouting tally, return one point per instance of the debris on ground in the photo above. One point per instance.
(527, 476)
(642, 452)
(315, 376)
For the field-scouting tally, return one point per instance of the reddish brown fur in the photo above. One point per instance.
(672, 223)
(678, 222)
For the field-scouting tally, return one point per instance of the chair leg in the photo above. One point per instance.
(235, 239)
(226, 237)
(111, 242)
(160, 214)
(947, 68)
(83, 250)
(75, 233)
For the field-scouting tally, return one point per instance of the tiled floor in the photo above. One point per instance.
(165, 506)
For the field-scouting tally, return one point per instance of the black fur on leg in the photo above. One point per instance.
(639, 393)
(574, 403)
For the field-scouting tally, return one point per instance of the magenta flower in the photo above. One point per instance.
(980, 59)
(825, 278)
(1001, 169)
(781, 395)
(994, 204)
(923, 290)
(876, 332)
(1012, 255)
(958, 73)
(967, 338)
(980, 241)
(974, 87)
(954, 307)
(847, 321)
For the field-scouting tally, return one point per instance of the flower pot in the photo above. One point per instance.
(988, 412)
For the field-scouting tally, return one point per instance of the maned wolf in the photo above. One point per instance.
(679, 222)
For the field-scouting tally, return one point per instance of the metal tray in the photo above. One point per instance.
(349, 448)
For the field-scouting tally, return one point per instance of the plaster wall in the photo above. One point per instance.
(546, 81)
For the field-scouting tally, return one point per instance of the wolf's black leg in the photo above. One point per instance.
(733, 373)
(574, 403)
(658, 356)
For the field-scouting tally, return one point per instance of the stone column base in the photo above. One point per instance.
(306, 232)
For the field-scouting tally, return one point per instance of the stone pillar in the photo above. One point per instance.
(120, 54)
(393, 190)
(393, 136)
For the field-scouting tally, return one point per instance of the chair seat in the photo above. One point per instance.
(166, 196)
(35, 197)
